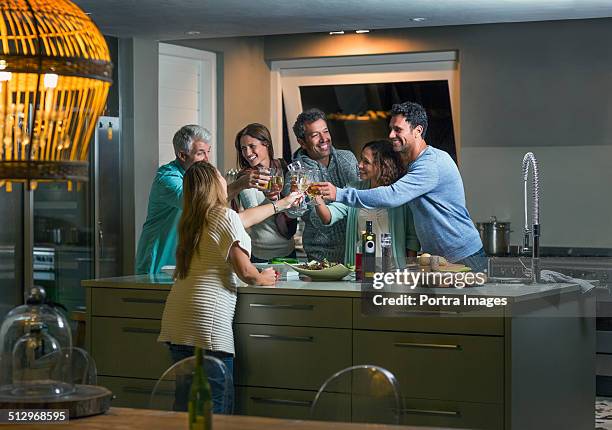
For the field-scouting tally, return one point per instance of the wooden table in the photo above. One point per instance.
(145, 419)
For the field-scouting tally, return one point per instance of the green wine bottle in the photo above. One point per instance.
(200, 397)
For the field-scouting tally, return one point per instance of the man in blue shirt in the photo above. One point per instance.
(432, 187)
(157, 244)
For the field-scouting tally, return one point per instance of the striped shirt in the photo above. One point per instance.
(200, 308)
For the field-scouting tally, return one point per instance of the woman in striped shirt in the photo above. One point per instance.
(213, 253)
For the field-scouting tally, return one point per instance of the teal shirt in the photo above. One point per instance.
(401, 226)
(157, 244)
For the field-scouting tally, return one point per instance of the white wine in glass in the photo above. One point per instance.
(275, 184)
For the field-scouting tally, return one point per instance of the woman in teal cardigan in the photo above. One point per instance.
(379, 166)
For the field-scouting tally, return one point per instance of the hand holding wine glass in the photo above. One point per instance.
(254, 178)
(327, 190)
(289, 201)
(275, 184)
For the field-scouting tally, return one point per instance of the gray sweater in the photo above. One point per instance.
(322, 241)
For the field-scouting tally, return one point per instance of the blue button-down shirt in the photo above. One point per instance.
(157, 244)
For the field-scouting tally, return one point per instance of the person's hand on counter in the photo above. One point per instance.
(267, 277)
(246, 271)
(327, 190)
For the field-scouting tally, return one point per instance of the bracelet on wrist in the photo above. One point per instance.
(275, 208)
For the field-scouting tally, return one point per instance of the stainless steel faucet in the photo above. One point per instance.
(529, 159)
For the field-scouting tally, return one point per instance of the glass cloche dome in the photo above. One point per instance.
(35, 351)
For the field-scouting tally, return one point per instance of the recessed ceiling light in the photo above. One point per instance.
(193, 33)
(418, 19)
(362, 31)
(336, 32)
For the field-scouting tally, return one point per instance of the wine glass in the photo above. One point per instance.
(275, 184)
(300, 181)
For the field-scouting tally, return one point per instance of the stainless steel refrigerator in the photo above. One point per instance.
(55, 237)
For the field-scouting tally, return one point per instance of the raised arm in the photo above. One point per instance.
(330, 213)
(249, 178)
(252, 216)
(170, 190)
(322, 210)
(418, 181)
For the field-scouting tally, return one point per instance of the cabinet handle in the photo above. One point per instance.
(430, 412)
(424, 312)
(140, 330)
(285, 307)
(282, 401)
(138, 390)
(426, 345)
(288, 338)
(139, 300)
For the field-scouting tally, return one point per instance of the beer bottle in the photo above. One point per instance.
(200, 397)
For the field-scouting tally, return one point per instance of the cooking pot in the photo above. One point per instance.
(495, 237)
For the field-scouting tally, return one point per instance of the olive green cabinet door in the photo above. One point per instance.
(438, 413)
(128, 392)
(430, 319)
(293, 310)
(292, 404)
(436, 366)
(298, 358)
(124, 302)
(128, 347)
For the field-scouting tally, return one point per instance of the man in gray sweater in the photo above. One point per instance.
(328, 164)
(432, 188)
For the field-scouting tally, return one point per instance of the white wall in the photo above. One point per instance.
(187, 95)
(576, 191)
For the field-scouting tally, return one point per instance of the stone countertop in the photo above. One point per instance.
(515, 293)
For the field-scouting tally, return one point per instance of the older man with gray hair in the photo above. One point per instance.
(157, 244)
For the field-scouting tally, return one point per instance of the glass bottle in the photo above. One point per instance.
(368, 240)
(358, 258)
(386, 248)
(200, 397)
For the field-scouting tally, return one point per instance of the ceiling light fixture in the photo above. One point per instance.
(55, 76)
(193, 33)
(418, 19)
(336, 32)
(362, 31)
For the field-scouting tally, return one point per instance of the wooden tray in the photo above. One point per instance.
(86, 400)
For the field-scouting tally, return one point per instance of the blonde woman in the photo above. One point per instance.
(213, 251)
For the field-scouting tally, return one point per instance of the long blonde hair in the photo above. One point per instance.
(202, 193)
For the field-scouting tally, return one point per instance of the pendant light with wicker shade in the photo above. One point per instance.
(55, 73)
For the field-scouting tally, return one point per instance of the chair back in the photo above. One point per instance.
(84, 370)
(363, 393)
(171, 392)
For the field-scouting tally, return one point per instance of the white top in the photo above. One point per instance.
(266, 240)
(380, 224)
(200, 308)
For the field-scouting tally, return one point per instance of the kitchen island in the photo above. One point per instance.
(528, 364)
